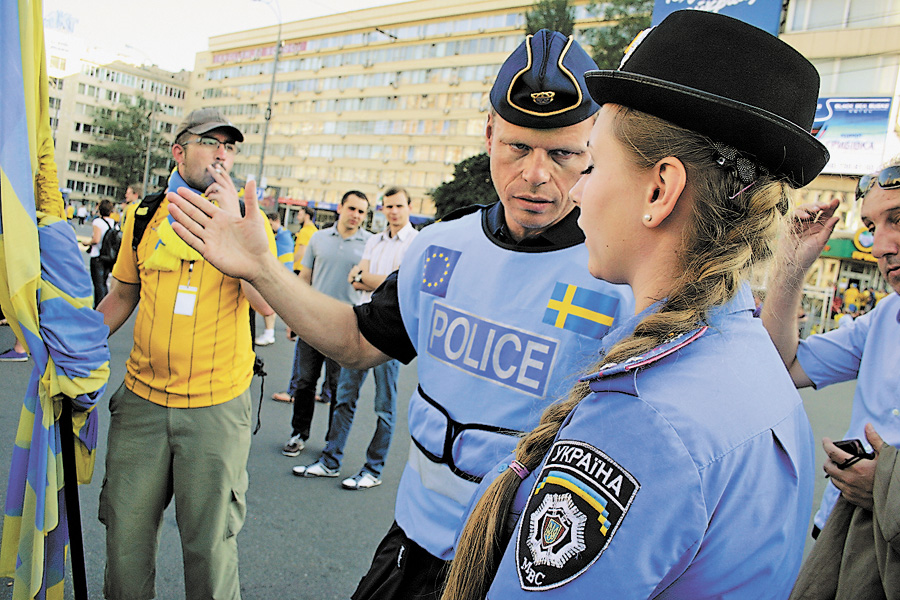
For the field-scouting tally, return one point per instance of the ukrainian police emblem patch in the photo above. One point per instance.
(575, 508)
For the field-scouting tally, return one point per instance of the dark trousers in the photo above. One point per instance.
(402, 569)
(99, 273)
(310, 361)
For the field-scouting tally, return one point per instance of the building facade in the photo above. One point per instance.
(85, 82)
(394, 95)
(855, 46)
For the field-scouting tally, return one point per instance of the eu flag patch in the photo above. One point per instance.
(439, 265)
(580, 310)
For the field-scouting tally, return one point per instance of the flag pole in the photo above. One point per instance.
(73, 510)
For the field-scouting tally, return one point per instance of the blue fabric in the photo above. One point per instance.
(284, 247)
(349, 384)
(717, 440)
(868, 351)
(485, 356)
(331, 257)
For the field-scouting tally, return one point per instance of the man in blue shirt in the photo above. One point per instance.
(866, 350)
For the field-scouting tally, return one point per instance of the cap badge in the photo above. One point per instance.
(543, 98)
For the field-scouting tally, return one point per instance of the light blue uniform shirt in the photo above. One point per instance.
(331, 257)
(687, 473)
(868, 350)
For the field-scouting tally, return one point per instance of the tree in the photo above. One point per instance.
(122, 142)
(623, 20)
(555, 15)
(471, 184)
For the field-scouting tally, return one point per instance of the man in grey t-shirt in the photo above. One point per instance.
(330, 255)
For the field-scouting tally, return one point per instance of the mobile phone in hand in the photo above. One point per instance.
(855, 448)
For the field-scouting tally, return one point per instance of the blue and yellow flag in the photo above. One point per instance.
(580, 310)
(45, 293)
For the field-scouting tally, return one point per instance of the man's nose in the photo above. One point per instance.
(537, 168)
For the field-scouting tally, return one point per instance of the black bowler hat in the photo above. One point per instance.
(727, 80)
(541, 84)
(204, 120)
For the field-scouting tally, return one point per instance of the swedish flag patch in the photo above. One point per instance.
(580, 310)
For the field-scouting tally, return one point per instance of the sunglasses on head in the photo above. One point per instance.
(888, 179)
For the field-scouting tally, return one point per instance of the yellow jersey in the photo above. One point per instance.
(192, 343)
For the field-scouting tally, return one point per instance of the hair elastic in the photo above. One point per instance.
(742, 190)
(520, 469)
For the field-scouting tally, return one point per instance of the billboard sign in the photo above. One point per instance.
(854, 131)
(765, 14)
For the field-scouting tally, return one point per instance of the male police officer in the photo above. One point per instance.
(498, 305)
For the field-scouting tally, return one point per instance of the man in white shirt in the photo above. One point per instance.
(382, 256)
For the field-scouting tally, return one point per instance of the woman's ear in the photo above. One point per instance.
(669, 179)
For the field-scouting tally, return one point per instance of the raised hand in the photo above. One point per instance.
(236, 245)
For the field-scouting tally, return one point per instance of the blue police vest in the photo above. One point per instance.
(500, 334)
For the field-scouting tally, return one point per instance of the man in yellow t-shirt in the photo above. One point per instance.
(306, 230)
(180, 422)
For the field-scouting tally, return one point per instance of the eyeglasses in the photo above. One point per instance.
(213, 143)
(888, 179)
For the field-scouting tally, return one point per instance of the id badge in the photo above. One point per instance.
(185, 300)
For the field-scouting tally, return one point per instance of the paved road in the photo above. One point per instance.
(304, 539)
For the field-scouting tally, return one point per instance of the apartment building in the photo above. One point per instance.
(394, 95)
(86, 81)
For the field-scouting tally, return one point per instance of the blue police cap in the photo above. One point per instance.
(541, 85)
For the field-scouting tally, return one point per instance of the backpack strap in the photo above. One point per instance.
(143, 215)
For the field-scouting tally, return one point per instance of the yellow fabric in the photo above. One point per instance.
(302, 240)
(177, 360)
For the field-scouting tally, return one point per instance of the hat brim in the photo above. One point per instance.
(781, 146)
(207, 127)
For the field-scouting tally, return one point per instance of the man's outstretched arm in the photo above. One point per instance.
(238, 247)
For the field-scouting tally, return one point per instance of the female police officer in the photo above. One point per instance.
(683, 467)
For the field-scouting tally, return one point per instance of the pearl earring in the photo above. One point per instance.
(648, 218)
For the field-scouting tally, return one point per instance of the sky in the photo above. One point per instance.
(169, 33)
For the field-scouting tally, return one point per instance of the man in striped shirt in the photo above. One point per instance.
(180, 422)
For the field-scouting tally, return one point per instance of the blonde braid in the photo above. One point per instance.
(731, 229)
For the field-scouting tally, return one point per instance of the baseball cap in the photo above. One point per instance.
(204, 120)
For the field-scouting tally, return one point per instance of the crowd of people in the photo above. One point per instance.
(598, 407)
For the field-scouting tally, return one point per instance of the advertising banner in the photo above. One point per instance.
(765, 14)
(854, 131)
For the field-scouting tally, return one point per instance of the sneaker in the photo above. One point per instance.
(265, 340)
(363, 481)
(282, 397)
(317, 469)
(12, 356)
(294, 446)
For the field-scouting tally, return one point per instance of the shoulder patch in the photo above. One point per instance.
(661, 351)
(578, 502)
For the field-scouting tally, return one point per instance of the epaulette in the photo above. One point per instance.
(462, 211)
(665, 349)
